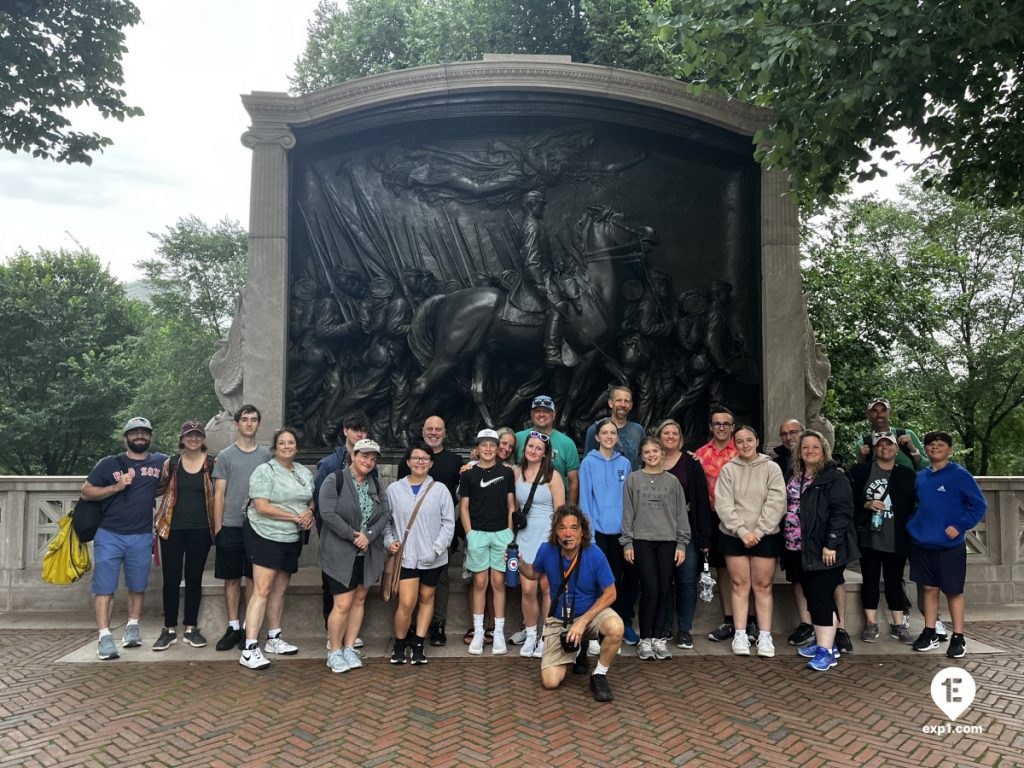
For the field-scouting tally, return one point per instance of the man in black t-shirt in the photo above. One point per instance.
(444, 470)
(487, 500)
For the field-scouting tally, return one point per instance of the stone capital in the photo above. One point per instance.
(269, 134)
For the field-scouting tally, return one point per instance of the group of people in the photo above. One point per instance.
(629, 525)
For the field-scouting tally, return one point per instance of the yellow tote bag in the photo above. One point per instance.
(67, 559)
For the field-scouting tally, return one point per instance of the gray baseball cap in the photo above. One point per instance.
(137, 422)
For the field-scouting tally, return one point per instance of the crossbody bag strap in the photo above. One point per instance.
(533, 490)
(415, 510)
(566, 575)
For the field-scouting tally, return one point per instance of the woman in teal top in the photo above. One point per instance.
(280, 509)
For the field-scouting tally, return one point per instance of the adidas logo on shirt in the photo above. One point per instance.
(941, 489)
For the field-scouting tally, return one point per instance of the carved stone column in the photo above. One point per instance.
(266, 290)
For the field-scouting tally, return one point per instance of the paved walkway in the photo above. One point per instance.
(475, 712)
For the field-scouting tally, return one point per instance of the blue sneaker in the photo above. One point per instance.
(822, 661)
(810, 651)
(629, 635)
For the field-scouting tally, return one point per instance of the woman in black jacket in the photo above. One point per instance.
(884, 497)
(819, 523)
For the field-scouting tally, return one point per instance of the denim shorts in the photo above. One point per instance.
(112, 550)
(486, 550)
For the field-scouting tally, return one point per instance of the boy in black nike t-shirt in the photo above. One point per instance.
(486, 503)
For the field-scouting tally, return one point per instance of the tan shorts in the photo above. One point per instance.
(554, 655)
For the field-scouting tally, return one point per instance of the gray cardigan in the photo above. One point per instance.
(427, 544)
(342, 519)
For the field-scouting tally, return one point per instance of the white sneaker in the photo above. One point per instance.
(741, 644)
(476, 647)
(765, 646)
(593, 648)
(538, 652)
(498, 646)
(253, 659)
(518, 639)
(940, 631)
(351, 658)
(358, 643)
(280, 647)
(336, 662)
(529, 646)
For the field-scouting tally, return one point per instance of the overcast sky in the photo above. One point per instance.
(187, 63)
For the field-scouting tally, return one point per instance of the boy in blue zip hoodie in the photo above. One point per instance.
(950, 503)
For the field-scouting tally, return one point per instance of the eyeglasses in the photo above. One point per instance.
(419, 459)
(790, 433)
(721, 424)
(540, 436)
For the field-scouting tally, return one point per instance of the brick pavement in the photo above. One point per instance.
(470, 712)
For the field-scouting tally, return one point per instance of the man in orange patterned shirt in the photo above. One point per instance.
(714, 455)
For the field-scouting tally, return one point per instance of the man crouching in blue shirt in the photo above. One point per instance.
(582, 590)
(950, 503)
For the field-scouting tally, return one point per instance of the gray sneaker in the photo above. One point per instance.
(351, 658)
(901, 633)
(645, 649)
(519, 638)
(661, 650)
(132, 637)
(106, 648)
(870, 633)
(168, 637)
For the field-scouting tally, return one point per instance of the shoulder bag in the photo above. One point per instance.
(393, 565)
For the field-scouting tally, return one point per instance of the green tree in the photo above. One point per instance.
(841, 78)
(923, 301)
(56, 55)
(65, 367)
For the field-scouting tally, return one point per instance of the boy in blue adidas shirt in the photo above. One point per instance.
(950, 503)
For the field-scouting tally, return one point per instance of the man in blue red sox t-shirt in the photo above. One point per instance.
(128, 483)
(581, 609)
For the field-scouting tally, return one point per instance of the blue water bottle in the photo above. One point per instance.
(512, 565)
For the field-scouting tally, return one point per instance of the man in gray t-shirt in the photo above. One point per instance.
(231, 490)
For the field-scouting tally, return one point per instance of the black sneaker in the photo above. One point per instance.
(194, 638)
(752, 631)
(418, 656)
(600, 688)
(926, 641)
(684, 639)
(581, 666)
(843, 641)
(168, 637)
(957, 647)
(398, 653)
(802, 635)
(723, 633)
(437, 635)
(230, 639)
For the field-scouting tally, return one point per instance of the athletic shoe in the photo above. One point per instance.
(940, 632)
(600, 688)
(661, 651)
(358, 643)
(957, 647)
(926, 641)
(906, 620)
(518, 638)
(279, 646)
(253, 659)
(629, 635)
(397, 652)
(870, 633)
(230, 639)
(418, 656)
(822, 661)
(336, 662)
(802, 635)
(645, 649)
(168, 637)
(437, 635)
(499, 647)
(106, 648)
(351, 658)
(684, 639)
(810, 651)
(724, 632)
(194, 638)
(538, 652)
(753, 632)
(529, 646)
(843, 641)
(741, 644)
(899, 632)
(132, 637)
(765, 646)
(476, 645)
(594, 648)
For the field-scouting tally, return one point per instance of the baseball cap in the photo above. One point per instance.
(366, 445)
(137, 422)
(881, 400)
(192, 426)
(880, 436)
(543, 401)
(486, 434)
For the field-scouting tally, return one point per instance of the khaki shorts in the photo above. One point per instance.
(554, 654)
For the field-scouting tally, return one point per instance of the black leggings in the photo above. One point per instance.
(626, 586)
(890, 567)
(819, 589)
(184, 550)
(655, 562)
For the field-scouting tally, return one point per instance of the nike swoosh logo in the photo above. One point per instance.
(492, 481)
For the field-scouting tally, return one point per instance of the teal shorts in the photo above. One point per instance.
(486, 549)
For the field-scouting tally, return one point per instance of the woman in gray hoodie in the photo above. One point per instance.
(750, 499)
(655, 531)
